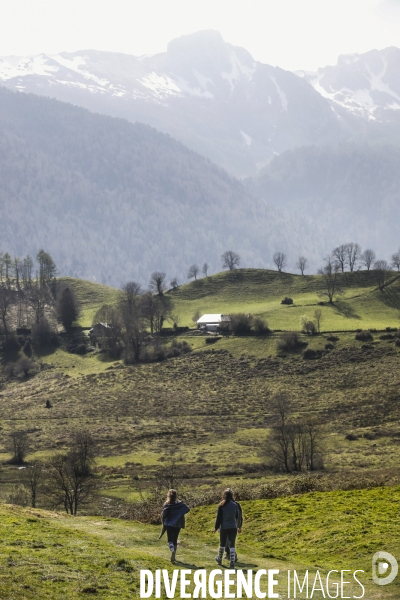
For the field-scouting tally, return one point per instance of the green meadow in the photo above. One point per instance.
(53, 556)
(209, 414)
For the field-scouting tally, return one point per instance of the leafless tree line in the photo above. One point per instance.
(68, 480)
(295, 443)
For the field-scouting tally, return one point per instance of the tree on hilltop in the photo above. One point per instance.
(302, 264)
(280, 259)
(193, 271)
(330, 278)
(230, 260)
(396, 260)
(367, 258)
(156, 283)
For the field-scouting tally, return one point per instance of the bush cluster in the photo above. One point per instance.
(243, 324)
(364, 336)
(287, 300)
(289, 341)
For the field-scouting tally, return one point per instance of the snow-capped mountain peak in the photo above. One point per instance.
(364, 84)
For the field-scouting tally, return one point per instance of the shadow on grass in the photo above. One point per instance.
(390, 297)
(344, 309)
(43, 351)
(188, 565)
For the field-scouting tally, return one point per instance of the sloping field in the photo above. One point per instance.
(260, 292)
(52, 556)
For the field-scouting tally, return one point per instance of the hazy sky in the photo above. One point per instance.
(292, 34)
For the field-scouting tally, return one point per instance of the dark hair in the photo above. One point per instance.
(227, 496)
(171, 497)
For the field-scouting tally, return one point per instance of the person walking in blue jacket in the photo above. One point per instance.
(228, 517)
(173, 519)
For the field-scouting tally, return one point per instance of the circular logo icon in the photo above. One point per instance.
(383, 562)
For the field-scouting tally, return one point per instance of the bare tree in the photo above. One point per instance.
(330, 278)
(47, 267)
(38, 297)
(85, 449)
(174, 283)
(280, 260)
(396, 260)
(196, 316)
(279, 446)
(31, 478)
(295, 444)
(156, 310)
(381, 273)
(19, 446)
(367, 258)
(318, 318)
(353, 254)
(156, 283)
(7, 299)
(70, 484)
(230, 260)
(340, 255)
(131, 311)
(193, 271)
(302, 264)
(205, 269)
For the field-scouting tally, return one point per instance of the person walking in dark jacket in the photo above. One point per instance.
(239, 524)
(173, 518)
(227, 523)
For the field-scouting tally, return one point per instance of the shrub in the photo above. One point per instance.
(287, 300)
(332, 338)
(11, 345)
(241, 323)
(212, 340)
(386, 336)
(43, 334)
(351, 437)
(397, 342)
(27, 348)
(289, 341)
(329, 346)
(25, 366)
(364, 336)
(261, 327)
(77, 344)
(309, 327)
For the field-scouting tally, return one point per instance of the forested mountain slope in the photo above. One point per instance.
(212, 96)
(113, 201)
(352, 189)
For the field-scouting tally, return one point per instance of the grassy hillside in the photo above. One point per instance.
(260, 292)
(91, 297)
(52, 556)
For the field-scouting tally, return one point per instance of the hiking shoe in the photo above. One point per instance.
(232, 565)
(218, 560)
(173, 556)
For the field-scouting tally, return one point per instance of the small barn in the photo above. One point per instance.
(216, 322)
(99, 331)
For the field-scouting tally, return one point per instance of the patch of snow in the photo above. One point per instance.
(187, 89)
(238, 69)
(247, 139)
(17, 66)
(281, 94)
(160, 85)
